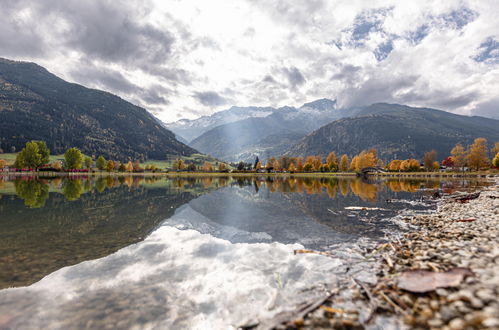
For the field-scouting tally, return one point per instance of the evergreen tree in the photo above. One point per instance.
(256, 162)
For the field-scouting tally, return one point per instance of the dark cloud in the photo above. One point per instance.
(293, 13)
(105, 78)
(156, 95)
(294, 76)
(488, 109)
(109, 31)
(210, 98)
(376, 89)
(348, 74)
(269, 79)
(112, 31)
(18, 36)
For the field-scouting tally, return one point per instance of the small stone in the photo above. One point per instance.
(491, 323)
(435, 323)
(457, 324)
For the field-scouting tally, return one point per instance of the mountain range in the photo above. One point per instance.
(318, 127)
(396, 132)
(37, 105)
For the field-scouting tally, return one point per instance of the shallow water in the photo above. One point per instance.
(189, 252)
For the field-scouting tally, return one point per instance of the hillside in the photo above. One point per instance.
(37, 105)
(267, 136)
(396, 131)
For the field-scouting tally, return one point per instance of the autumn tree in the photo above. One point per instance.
(495, 150)
(291, 168)
(258, 165)
(122, 167)
(73, 158)
(429, 160)
(270, 162)
(332, 161)
(222, 167)
(207, 167)
(308, 167)
(129, 167)
(448, 162)
(410, 165)
(284, 162)
(191, 167)
(110, 166)
(256, 162)
(3, 163)
(354, 165)
(343, 167)
(101, 163)
(316, 163)
(495, 161)
(57, 165)
(178, 164)
(394, 165)
(299, 164)
(458, 156)
(477, 154)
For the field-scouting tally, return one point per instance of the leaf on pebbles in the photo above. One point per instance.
(420, 281)
(464, 220)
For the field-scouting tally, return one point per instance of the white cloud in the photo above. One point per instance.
(189, 58)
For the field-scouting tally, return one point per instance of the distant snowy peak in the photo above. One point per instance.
(321, 104)
(191, 129)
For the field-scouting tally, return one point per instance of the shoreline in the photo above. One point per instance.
(416, 175)
(460, 239)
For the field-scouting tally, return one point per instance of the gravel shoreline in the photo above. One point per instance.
(461, 238)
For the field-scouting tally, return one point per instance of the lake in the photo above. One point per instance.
(188, 252)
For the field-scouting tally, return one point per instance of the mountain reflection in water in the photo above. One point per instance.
(50, 223)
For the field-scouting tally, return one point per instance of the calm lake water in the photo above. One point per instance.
(125, 252)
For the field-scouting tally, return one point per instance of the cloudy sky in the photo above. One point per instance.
(184, 59)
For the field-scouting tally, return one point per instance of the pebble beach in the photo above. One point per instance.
(443, 273)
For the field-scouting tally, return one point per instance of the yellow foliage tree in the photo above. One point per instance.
(291, 167)
(477, 154)
(332, 161)
(458, 156)
(354, 165)
(57, 165)
(110, 165)
(394, 165)
(344, 163)
(129, 167)
(3, 163)
(222, 167)
(299, 164)
(207, 167)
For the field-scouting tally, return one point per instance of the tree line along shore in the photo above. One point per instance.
(35, 157)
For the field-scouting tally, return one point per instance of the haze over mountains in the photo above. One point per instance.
(37, 105)
(318, 127)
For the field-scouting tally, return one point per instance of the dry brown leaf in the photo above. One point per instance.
(332, 310)
(464, 220)
(424, 280)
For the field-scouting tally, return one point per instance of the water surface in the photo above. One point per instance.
(186, 252)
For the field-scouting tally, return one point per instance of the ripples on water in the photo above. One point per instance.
(184, 252)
